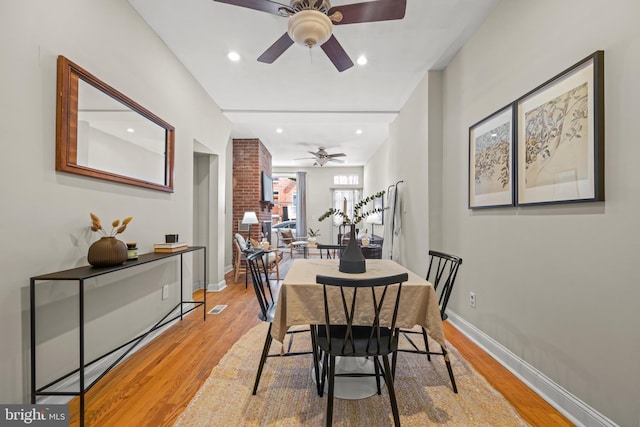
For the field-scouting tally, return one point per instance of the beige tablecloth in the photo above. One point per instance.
(300, 301)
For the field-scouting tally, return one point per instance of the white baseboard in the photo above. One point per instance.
(566, 403)
(217, 287)
(211, 287)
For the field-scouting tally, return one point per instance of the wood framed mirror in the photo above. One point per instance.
(101, 133)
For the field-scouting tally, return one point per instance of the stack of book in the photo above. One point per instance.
(169, 247)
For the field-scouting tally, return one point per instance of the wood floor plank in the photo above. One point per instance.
(155, 385)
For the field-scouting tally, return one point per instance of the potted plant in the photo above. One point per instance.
(352, 260)
(313, 236)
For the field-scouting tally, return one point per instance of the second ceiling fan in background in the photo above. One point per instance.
(321, 157)
(311, 23)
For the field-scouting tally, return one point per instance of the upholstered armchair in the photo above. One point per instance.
(288, 239)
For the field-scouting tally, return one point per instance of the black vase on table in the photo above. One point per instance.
(352, 261)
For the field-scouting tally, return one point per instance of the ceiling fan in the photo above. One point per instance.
(311, 23)
(321, 157)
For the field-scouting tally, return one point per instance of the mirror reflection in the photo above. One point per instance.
(103, 134)
(115, 138)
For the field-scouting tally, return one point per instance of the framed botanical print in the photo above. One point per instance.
(491, 171)
(560, 137)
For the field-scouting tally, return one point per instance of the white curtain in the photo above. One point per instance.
(387, 244)
(393, 224)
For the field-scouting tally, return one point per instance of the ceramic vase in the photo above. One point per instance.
(107, 252)
(352, 261)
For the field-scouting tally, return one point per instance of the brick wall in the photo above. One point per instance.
(250, 158)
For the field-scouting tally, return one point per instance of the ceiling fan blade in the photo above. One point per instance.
(313, 153)
(372, 11)
(336, 54)
(336, 155)
(276, 49)
(261, 5)
(335, 160)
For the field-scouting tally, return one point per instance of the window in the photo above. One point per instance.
(352, 197)
(346, 180)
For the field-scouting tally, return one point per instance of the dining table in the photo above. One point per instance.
(300, 302)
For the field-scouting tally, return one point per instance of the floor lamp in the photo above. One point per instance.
(249, 218)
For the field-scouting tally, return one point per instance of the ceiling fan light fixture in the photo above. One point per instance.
(310, 28)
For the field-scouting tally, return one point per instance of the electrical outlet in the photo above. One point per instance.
(165, 292)
(472, 299)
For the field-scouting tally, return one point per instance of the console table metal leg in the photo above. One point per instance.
(81, 320)
(181, 296)
(204, 286)
(32, 296)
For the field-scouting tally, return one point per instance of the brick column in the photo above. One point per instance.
(250, 158)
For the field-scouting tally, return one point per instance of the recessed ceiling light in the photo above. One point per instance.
(131, 130)
(234, 56)
(362, 60)
(359, 131)
(279, 130)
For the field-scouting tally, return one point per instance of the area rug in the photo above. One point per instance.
(287, 395)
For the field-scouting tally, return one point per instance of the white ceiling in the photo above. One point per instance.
(301, 92)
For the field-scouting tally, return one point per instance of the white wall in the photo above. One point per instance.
(375, 172)
(436, 167)
(556, 285)
(375, 180)
(44, 214)
(408, 160)
(228, 207)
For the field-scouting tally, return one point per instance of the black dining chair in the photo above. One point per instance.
(260, 278)
(346, 298)
(331, 251)
(442, 273)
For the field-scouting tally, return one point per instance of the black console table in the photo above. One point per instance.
(87, 272)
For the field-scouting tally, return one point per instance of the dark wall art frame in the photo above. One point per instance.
(491, 160)
(560, 137)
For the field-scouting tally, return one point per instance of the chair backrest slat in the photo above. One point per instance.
(349, 302)
(332, 251)
(255, 261)
(445, 270)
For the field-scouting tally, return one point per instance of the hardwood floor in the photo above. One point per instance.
(154, 386)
